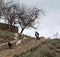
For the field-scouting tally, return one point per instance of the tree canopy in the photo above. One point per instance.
(14, 14)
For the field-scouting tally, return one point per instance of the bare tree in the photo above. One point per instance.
(9, 11)
(24, 17)
(27, 17)
(10, 14)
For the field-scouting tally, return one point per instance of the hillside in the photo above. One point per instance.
(51, 48)
(32, 48)
(29, 47)
(24, 47)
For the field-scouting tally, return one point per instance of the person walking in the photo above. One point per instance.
(37, 35)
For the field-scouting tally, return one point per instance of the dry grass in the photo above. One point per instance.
(20, 49)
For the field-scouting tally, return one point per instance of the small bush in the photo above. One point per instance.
(6, 34)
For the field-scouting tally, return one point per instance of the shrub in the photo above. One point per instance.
(6, 34)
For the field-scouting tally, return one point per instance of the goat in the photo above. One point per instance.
(18, 42)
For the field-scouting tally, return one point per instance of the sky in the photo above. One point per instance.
(50, 23)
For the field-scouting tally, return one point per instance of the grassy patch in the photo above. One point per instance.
(44, 50)
(6, 34)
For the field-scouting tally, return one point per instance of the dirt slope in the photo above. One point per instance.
(20, 49)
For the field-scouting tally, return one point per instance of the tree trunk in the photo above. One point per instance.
(22, 31)
(10, 27)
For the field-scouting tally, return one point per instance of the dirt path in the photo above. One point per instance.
(20, 49)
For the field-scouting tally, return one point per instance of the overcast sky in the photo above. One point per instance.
(50, 23)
